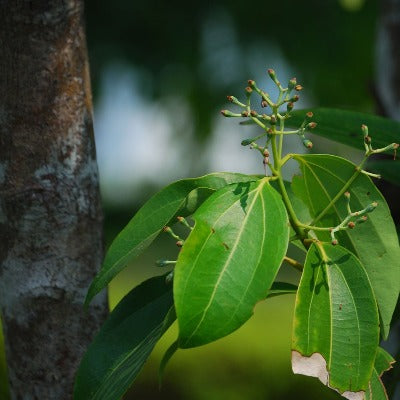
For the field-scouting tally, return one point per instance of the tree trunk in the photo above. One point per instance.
(50, 215)
(388, 95)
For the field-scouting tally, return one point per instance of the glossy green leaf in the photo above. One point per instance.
(336, 325)
(344, 126)
(229, 261)
(125, 341)
(179, 198)
(374, 242)
(376, 389)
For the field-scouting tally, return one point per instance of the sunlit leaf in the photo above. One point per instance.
(125, 341)
(374, 242)
(229, 261)
(336, 326)
(179, 198)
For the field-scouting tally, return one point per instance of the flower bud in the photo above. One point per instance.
(289, 106)
(335, 242)
(292, 84)
(311, 125)
(347, 195)
(309, 115)
(251, 83)
(295, 98)
(253, 113)
(179, 243)
(245, 114)
(364, 129)
(367, 139)
(264, 104)
(248, 91)
(227, 113)
(298, 88)
(307, 143)
(371, 207)
(351, 224)
(271, 74)
(272, 120)
(246, 142)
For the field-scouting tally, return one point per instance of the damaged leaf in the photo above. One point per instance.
(376, 389)
(336, 328)
(375, 242)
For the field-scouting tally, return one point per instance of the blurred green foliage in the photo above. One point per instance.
(204, 51)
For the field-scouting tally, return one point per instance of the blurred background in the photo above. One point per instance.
(160, 74)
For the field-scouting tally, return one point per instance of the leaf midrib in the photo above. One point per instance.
(257, 190)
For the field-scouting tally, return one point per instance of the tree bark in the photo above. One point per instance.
(50, 214)
(387, 88)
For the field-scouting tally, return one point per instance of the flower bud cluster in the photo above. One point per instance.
(352, 218)
(368, 144)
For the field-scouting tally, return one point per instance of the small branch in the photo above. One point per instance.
(295, 264)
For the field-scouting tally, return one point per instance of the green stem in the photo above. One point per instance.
(314, 228)
(285, 159)
(282, 126)
(321, 251)
(294, 263)
(292, 215)
(258, 122)
(341, 192)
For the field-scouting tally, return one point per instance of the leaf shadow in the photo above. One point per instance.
(242, 189)
(324, 282)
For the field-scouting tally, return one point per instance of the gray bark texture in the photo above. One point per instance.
(387, 81)
(50, 214)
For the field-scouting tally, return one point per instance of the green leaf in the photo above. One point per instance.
(383, 361)
(229, 261)
(345, 126)
(376, 389)
(279, 288)
(179, 198)
(336, 326)
(167, 356)
(125, 341)
(375, 242)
